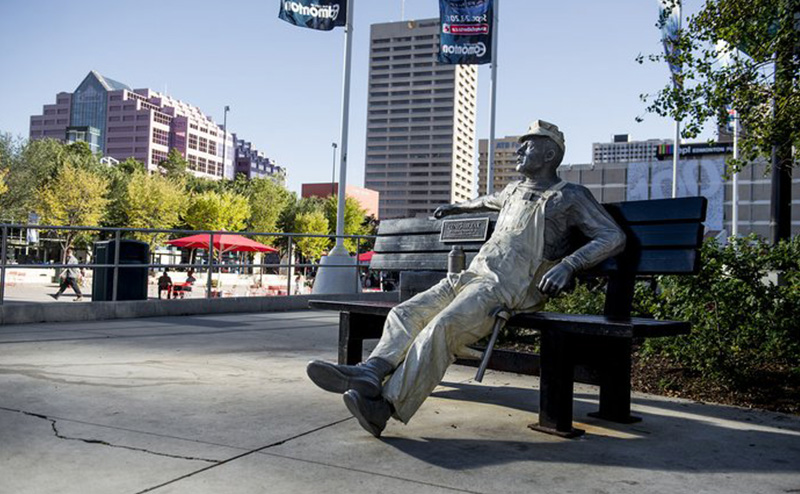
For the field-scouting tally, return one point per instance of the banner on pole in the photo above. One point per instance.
(670, 21)
(322, 15)
(466, 31)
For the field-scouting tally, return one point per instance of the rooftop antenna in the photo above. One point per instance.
(402, 10)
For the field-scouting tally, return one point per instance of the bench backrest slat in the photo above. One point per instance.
(663, 238)
(671, 235)
(424, 242)
(421, 261)
(654, 261)
(684, 209)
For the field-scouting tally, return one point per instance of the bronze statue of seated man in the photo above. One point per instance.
(528, 259)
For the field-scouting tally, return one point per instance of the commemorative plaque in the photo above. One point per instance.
(464, 230)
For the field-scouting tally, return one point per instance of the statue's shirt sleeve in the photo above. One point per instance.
(576, 216)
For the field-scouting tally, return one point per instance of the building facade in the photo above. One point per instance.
(420, 121)
(122, 123)
(253, 163)
(505, 163)
(702, 172)
(368, 199)
(623, 150)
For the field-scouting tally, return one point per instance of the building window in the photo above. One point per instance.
(160, 137)
(158, 157)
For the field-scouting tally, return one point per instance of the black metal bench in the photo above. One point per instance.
(663, 237)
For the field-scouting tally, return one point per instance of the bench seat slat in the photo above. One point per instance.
(635, 327)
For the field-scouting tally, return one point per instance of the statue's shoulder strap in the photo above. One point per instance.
(553, 189)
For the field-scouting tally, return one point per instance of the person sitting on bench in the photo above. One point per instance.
(528, 258)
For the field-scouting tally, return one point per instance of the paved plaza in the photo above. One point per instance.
(221, 404)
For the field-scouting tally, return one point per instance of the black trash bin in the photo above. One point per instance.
(132, 282)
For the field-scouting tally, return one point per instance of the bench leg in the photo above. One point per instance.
(353, 330)
(351, 344)
(556, 381)
(615, 381)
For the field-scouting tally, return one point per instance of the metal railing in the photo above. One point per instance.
(212, 265)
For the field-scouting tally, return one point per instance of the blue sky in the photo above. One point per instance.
(570, 62)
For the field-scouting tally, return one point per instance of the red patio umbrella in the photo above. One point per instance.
(366, 256)
(223, 242)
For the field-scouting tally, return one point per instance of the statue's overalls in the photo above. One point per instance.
(422, 335)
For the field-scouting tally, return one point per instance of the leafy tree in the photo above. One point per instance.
(354, 218)
(153, 201)
(131, 166)
(298, 206)
(267, 201)
(312, 222)
(200, 185)
(218, 212)
(3, 186)
(175, 165)
(119, 177)
(759, 82)
(31, 165)
(74, 197)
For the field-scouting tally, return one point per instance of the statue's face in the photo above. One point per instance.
(533, 156)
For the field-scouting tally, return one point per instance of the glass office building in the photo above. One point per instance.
(90, 106)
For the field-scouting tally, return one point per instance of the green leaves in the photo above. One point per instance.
(224, 211)
(312, 222)
(153, 201)
(742, 318)
(718, 76)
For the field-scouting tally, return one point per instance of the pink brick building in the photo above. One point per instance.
(143, 124)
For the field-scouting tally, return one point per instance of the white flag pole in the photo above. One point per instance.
(493, 99)
(677, 147)
(348, 55)
(335, 274)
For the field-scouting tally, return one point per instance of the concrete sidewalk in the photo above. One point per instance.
(221, 404)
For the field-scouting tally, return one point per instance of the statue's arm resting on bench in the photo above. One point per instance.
(488, 203)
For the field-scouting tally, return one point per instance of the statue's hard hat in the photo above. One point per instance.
(546, 129)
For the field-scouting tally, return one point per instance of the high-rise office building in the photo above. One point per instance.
(420, 121)
(505, 163)
(143, 124)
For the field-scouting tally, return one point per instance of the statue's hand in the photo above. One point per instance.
(446, 210)
(556, 279)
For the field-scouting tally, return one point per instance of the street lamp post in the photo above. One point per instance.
(224, 136)
(333, 174)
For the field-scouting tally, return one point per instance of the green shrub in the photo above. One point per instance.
(742, 320)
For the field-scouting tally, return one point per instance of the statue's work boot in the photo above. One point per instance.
(372, 414)
(366, 378)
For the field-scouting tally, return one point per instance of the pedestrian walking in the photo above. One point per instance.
(70, 277)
